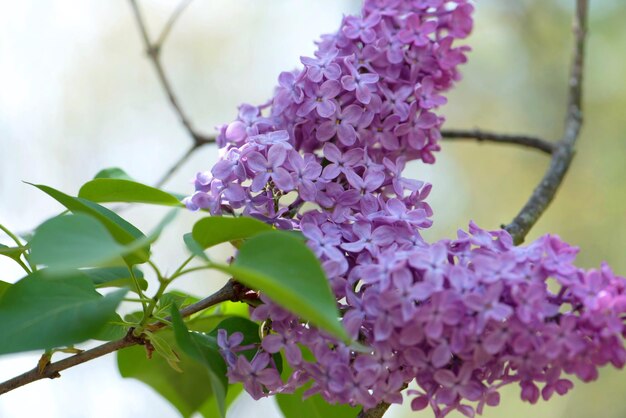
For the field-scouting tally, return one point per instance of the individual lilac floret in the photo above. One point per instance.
(323, 67)
(342, 124)
(270, 168)
(359, 83)
(356, 28)
(320, 98)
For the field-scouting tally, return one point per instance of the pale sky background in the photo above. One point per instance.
(78, 95)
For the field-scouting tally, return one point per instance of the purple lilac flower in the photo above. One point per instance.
(416, 30)
(320, 98)
(361, 28)
(322, 67)
(270, 168)
(459, 317)
(255, 375)
(359, 83)
(342, 124)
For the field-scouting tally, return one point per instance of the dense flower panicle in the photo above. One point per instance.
(460, 318)
(370, 92)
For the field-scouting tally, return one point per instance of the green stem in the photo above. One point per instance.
(11, 235)
(21, 263)
(163, 282)
(156, 269)
(190, 270)
(138, 289)
(179, 270)
(136, 300)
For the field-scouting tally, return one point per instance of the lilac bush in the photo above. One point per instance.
(460, 317)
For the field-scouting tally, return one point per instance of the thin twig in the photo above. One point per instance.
(564, 152)
(171, 21)
(176, 166)
(153, 50)
(231, 291)
(479, 135)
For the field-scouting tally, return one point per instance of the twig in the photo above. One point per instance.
(174, 168)
(231, 291)
(171, 21)
(564, 151)
(153, 50)
(523, 140)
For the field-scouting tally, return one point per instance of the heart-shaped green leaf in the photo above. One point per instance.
(72, 241)
(122, 231)
(39, 312)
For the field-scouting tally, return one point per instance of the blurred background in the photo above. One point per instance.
(77, 94)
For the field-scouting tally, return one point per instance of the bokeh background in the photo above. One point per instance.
(78, 95)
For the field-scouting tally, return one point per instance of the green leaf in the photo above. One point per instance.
(164, 349)
(4, 286)
(112, 173)
(190, 391)
(115, 277)
(122, 231)
(211, 409)
(198, 347)
(174, 298)
(43, 313)
(293, 406)
(112, 330)
(122, 190)
(215, 230)
(229, 308)
(72, 241)
(194, 247)
(285, 269)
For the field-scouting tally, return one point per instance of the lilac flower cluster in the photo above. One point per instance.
(344, 125)
(460, 318)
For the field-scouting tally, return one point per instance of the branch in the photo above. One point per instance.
(523, 140)
(171, 21)
(564, 151)
(176, 166)
(153, 50)
(232, 290)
